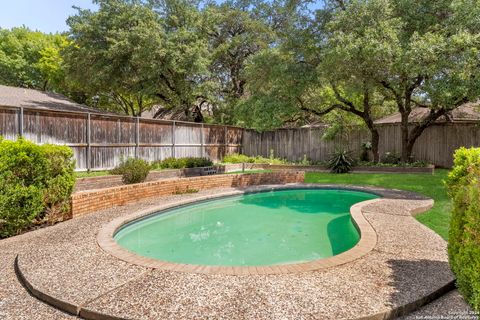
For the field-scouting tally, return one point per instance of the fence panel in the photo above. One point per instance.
(436, 145)
(100, 141)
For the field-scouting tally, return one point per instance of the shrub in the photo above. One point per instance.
(391, 158)
(35, 184)
(19, 207)
(415, 164)
(464, 238)
(60, 181)
(237, 158)
(366, 147)
(241, 158)
(464, 161)
(341, 162)
(168, 163)
(197, 162)
(133, 170)
(181, 163)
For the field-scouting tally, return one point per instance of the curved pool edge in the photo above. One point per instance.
(367, 242)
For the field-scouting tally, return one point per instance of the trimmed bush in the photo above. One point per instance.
(197, 162)
(464, 238)
(181, 163)
(133, 170)
(35, 184)
(19, 207)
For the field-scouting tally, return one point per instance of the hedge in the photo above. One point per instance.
(464, 238)
(35, 184)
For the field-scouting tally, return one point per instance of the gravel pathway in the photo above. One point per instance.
(409, 262)
(450, 306)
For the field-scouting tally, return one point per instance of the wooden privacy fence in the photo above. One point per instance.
(100, 141)
(436, 145)
(299, 143)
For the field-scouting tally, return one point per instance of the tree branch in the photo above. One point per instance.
(350, 107)
(397, 95)
(322, 112)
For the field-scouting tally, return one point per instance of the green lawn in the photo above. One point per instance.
(85, 174)
(437, 219)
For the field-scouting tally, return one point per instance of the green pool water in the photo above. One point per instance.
(265, 228)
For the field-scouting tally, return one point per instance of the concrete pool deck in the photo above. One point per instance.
(407, 265)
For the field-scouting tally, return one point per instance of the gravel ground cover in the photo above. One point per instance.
(409, 262)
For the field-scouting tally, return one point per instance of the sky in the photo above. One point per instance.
(43, 15)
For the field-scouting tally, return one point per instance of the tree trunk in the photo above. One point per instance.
(375, 142)
(374, 136)
(409, 137)
(406, 149)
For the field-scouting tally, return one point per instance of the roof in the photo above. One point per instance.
(469, 112)
(35, 99)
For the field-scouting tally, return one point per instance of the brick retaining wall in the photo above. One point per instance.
(91, 183)
(86, 202)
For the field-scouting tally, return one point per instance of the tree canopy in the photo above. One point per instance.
(31, 59)
(261, 64)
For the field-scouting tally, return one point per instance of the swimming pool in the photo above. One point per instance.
(254, 229)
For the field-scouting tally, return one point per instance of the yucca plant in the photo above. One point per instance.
(341, 162)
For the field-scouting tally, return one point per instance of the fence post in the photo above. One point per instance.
(173, 139)
(20, 122)
(39, 128)
(137, 135)
(225, 142)
(89, 147)
(242, 141)
(119, 131)
(202, 138)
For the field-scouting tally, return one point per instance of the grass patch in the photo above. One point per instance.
(85, 174)
(437, 219)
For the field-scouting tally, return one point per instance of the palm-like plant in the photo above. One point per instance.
(341, 162)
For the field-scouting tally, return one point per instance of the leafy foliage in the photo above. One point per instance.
(132, 170)
(366, 147)
(415, 164)
(341, 162)
(135, 54)
(409, 55)
(241, 158)
(35, 184)
(234, 31)
(32, 59)
(464, 241)
(391, 158)
(181, 163)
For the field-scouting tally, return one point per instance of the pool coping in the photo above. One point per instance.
(367, 242)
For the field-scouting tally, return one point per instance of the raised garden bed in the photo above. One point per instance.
(108, 181)
(375, 169)
(101, 182)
